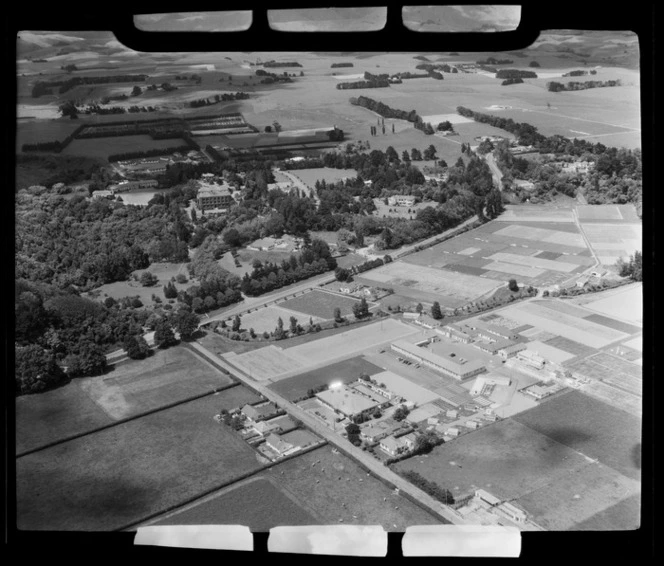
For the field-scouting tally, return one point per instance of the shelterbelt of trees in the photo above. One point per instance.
(554, 86)
(387, 112)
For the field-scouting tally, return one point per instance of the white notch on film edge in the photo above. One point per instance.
(216, 537)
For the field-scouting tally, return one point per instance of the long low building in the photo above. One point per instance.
(458, 368)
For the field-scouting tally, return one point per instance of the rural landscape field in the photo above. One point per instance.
(322, 288)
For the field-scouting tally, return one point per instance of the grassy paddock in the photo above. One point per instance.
(117, 476)
(321, 304)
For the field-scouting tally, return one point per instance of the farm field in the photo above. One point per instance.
(257, 503)
(54, 415)
(585, 424)
(347, 370)
(333, 487)
(321, 304)
(613, 241)
(121, 475)
(274, 362)
(103, 147)
(615, 397)
(142, 385)
(625, 303)
(449, 288)
(39, 131)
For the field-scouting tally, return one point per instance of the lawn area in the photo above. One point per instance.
(327, 174)
(586, 424)
(621, 516)
(118, 476)
(256, 503)
(165, 377)
(321, 304)
(221, 345)
(53, 415)
(163, 271)
(347, 370)
(332, 487)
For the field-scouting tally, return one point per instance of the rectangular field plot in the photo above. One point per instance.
(514, 269)
(564, 307)
(469, 251)
(617, 398)
(264, 363)
(635, 343)
(467, 269)
(548, 255)
(256, 503)
(534, 262)
(549, 352)
(122, 475)
(616, 364)
(327, 174)
(536, 214)
(580, 495)
(405, 388)
(574, 348)
(320, 304)
(507, 458)
(543, 235)
(592, 427)
(350, 342)
(577, 329)
(457, 286)
(598, 212)
(163, 378)
(624, 515)
(613, 323)
(626, 304)
(348, 370)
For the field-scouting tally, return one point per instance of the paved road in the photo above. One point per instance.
(300, 184)
(496, 173)
(444, 513)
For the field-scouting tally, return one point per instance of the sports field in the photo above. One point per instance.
(163, 378)
(257, 503)
(327, 174)
(265, 319)
(118, 476)
(346, 371)
(265, 363)
(321, 304)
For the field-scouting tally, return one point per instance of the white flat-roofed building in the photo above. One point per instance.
(492, 332)
(512, 512)
(458, 368)
(427, 321)
(348, 402)
(401, 200)
(452, 431)
(487, 497)
(126, 186)
(531, 358)
(456, 332)
(393, 446)
(211, 197)
(452, 414)
(511, 351)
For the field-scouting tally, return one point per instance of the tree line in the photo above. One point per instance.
(41, 87)
(387, 112)
(554, 86)
(224, 97)
(515, 74)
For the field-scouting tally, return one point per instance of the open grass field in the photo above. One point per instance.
(327, 174)
(611, 241)
(266, 318)
(333, 487)
(103, 147)
(265, 363)
(163, 271)
(572, 501)
(506, 458)
(53, 415)
(351, 342)
(587, 425)
(624, 303)
(567, 345)
(39, 131)
(165, 377)
(257, 503)
(451, 289)
(615, 397)
(321, 304)
(535, 213)
(347, 370)
(122, 474)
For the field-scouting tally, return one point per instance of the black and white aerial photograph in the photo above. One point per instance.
(384, 286)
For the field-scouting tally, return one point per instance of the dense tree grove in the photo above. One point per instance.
(88, 243)
(432, 488)
(515, 74)
(554, 86)
(631, 268)
(387, 112)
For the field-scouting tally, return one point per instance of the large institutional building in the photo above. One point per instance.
(213, 197)
(458, 368)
